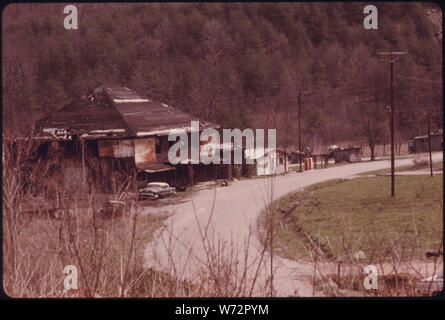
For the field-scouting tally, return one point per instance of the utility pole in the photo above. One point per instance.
(83, 162)
(429, 130)
(391, 113)
(429, 144)
(299, 129)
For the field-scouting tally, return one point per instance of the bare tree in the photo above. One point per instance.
(373, 125)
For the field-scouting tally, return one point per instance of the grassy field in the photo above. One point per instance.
(340, 218)
(410, 167)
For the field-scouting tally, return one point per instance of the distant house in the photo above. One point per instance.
(282, 161)
(116, 126)
(295, 156)
(267, 162)
(353, 154)
(420, 143)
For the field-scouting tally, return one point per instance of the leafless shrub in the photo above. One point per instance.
(47, 228)
(420, 160)
(399, 271)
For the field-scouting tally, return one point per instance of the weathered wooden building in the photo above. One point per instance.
(296, 156)
(127, 131)
(353, 154)
(421, 143)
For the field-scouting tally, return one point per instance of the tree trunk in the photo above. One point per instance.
(371, 147)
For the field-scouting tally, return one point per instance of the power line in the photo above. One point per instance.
(284, 99)
(309, 95)
(432, 67)
(419, 79)
(417, 109)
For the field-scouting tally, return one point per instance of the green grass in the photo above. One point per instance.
(409, 167)
(360, 215)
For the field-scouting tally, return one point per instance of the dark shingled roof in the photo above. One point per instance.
(115, 112)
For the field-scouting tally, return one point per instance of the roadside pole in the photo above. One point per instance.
(391, 114)
(83, 162)
(429, 145)
(299, 130)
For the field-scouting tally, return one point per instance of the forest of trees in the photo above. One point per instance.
(238, 64)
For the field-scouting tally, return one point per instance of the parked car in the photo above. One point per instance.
(431, 285)
(155, 190)
(180, 188)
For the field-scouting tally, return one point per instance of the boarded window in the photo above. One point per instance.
(144, 151)
(116, 148)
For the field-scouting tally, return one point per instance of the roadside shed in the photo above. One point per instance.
(353, 154)
(268, 162)
(420, 143)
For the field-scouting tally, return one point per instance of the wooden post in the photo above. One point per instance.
(299, 130)
(285, 162)
(83, 161)
(391, 118)
(190, 173)
(184, 181)
(429, 145)
(229, 171)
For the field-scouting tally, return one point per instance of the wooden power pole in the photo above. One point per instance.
(299, 129)
(429, 145)
(83, 162)
(391, 113)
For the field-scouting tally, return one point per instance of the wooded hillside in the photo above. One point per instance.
(239, 64)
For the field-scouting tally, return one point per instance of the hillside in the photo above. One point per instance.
(239, 64)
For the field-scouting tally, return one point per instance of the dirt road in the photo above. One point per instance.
(213, 228)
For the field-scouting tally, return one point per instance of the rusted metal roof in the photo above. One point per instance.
(147, 117)
(116, 112)
(88, 117)
(156, 167)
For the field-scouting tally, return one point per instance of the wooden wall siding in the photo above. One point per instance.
(145, 151)
(116, 148)
(123, 149)
(165, 147)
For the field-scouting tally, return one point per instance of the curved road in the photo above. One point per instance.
(218, 226)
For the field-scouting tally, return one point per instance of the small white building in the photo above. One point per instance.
(268, 162)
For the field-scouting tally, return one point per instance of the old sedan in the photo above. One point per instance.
(155, 190)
